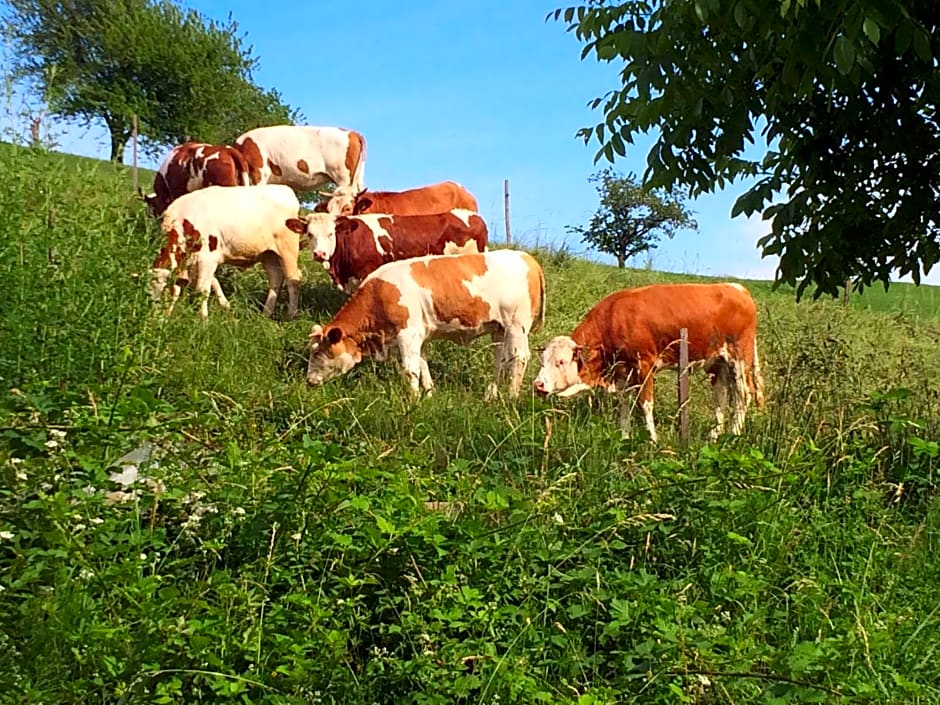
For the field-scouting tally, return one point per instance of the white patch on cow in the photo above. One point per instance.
(574, 389)
(371, 220)
(464, 215)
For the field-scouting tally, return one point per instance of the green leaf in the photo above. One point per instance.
(871, 29)
(902, 38)
(922, 45)
(844, 53)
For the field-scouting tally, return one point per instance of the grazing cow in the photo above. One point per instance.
(191, 166)
(305, 157)
(240, 225)
(353, 246)
(435, 198)
(630, 335)
(459, 297)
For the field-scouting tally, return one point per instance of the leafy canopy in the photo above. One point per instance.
(631, 217)
(182, 75)
(843, 95)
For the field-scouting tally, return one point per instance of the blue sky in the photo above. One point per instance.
(475, 92)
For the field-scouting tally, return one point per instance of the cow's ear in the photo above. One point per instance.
(296, 225)
(316, 333)
(363, 203)
(334, 335)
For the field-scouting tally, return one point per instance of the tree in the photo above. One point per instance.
(844, 95)
(631, 217)
(182, 75)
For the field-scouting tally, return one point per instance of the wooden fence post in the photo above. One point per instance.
(684, 387)
(134, 149)
(506, 210)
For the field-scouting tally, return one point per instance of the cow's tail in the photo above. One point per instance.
(358, 175)
(757, 377)
(242, 168)
(540, 313)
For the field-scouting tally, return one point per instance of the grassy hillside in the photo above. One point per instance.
(350, 545)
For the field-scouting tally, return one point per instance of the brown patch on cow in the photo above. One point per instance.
(372, 317)
(444, 279)
(252, 154)
(303, 167)
(164, 258)
(213, 243)
(424, 200)
(192, 236)
(355, 153)
(275, 169)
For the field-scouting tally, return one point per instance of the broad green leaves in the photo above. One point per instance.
(847, 97)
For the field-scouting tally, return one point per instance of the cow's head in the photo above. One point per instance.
(561, 365)
(343, 202)
(159, 277)
(155, 205)
(320, 231)
(332, 353)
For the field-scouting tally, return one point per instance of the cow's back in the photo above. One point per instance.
(234, 211)
(424, 200)
(304, 157)
(647, 320)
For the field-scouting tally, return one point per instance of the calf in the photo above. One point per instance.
(240, 225)
(630, 335)
(435, 198)
(305, 157)
(459, 297)
(191, 166)
(351, 247)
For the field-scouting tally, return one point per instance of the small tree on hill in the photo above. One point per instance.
(183, 76)
(631, 218)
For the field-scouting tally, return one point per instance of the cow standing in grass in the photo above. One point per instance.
(239, 225)
(630, 335)
(351, 247)
(192, 166)
(305, 157)
(459, 297)
(434, 198)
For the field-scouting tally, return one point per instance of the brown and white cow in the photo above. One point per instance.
(239, 225)
(191, 166)
(459, 297)
(305, 157)
(434, 198)
(630, 335)
(353, 246)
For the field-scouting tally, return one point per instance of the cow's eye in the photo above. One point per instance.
(560, 363)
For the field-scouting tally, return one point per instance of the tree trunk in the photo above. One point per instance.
(119, 134)
(621, 260)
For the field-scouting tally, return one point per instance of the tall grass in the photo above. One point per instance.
(350, 544)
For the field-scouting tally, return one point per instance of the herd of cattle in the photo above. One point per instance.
(417, 267)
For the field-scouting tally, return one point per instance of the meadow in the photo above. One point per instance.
(183, 520)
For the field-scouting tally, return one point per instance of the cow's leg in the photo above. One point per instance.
(219, 294)
(721, 378)
(204, 276)
(740, 395)
(516, 358)
(272, 268)
(498, 340)
(409, 346)
(289, 248)
(426, 382)
(646, 371)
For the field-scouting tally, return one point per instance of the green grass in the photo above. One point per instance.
(351, 545)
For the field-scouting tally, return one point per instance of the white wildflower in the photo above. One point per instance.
(96, 520)
(143, 556)
(89, 490)
(57, 434)
(238, 512)
(297, 536)
(45, 486)
(16, 461)
(51, 444)
(557, 518)
(21, 475)
(78, 527)
(6, 535)
(86, 574)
